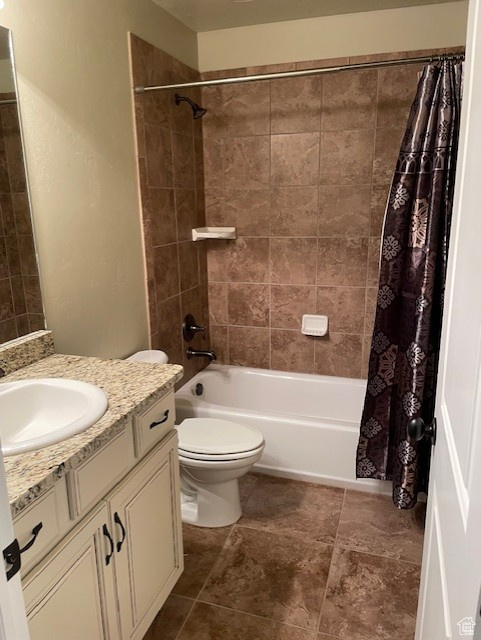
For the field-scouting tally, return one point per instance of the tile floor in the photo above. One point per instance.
(305, 562)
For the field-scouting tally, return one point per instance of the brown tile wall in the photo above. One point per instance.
(21, 309)
(169, 151)
(302, 168)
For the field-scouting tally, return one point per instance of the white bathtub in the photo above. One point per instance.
(310, 423)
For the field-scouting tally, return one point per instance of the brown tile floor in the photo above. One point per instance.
(305, 562)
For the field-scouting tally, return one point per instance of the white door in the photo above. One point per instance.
(13, 621)
(451, 573)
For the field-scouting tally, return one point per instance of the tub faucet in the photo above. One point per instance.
(199, 353)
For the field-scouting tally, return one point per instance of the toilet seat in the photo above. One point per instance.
(212, 439)
(219, 457)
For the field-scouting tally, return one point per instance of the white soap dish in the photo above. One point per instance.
(314, 325)
(218, 233)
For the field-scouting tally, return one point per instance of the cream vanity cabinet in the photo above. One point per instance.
(148, 559)
(71, 594)
(111, 574)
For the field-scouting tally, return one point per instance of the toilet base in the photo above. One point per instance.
(210, 505)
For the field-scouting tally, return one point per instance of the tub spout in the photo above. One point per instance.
(199, 353)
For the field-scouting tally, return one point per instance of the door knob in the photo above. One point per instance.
(418, 429)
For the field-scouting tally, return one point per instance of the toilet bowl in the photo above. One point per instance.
(213, 455)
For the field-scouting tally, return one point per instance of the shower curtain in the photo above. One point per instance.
(405, 344)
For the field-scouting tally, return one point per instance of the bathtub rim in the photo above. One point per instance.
(358, 382)
(184, 393)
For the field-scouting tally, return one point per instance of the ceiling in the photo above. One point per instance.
(208, 15)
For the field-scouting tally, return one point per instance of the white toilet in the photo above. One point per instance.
(213, 455)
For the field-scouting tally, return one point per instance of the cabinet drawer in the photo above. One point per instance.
(89, 482)
(51, 510)
(152, 425)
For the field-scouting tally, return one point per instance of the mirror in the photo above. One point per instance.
(21, 309)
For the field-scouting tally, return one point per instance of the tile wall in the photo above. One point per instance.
(169, 149)
(21, 309)
(302, 167)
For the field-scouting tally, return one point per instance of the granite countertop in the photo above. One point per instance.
(128, 385)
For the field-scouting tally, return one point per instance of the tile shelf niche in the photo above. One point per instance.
(219, 233)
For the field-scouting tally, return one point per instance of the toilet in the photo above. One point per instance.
(213, 455)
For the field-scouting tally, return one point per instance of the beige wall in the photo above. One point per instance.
(411, 28)
(75, 96)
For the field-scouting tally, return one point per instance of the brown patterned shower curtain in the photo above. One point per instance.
(405, 344)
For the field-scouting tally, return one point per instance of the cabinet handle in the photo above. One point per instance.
(12, 554)
(106, 533)
(164, 419)
(31, 542)
(118, 521)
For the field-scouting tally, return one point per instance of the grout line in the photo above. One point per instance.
(196, 599)
(258, 616)
(294, 284)
(185, 620)
(378, 555)
(340, 516)
(285, 535)
(289, 284)
(215, 563)
(319, 617)
(330, 566)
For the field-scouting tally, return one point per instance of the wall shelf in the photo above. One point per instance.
(217, 233)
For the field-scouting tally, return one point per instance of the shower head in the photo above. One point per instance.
(196, 109)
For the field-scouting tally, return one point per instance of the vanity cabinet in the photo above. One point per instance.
(148, 559)
(112, 573)
(71, 594)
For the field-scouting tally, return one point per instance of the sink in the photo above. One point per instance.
(39, 412)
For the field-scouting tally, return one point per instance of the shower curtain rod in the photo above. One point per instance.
(296, 74)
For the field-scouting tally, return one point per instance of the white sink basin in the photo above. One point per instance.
(37, 413)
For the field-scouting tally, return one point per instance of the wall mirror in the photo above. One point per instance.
(21, 309)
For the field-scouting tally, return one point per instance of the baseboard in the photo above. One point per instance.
(369, 486)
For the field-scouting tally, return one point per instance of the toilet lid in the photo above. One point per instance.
(217, 437)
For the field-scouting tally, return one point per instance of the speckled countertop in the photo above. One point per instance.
(128, 385)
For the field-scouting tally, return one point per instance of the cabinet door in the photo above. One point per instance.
(145, 510)
(71, 593)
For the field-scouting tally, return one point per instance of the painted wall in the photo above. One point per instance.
(410, 28)
(75, 96)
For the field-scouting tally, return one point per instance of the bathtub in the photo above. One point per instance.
(310, 423)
